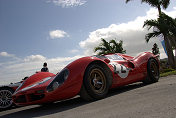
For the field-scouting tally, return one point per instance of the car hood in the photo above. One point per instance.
(36, 80)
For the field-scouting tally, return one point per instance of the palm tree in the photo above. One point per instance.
(104, 47)
(156, 3)
(109, 47)
(166, 29)
(170, 24)
(117, 47)
(164, 25)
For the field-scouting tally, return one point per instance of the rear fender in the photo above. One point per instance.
(142, 60)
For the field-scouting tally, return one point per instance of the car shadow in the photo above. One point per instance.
(43, 110)
(123, 89)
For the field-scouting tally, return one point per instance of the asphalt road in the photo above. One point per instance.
(156, 100)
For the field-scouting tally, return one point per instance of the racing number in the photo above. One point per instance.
(121, 70)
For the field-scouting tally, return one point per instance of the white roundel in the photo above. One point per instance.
(121, 70)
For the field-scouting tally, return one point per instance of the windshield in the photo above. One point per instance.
(114, 57)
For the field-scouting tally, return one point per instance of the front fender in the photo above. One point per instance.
(76, 73)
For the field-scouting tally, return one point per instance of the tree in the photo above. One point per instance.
(155, 49)
(104, 47)
(117, 47)
(164, 25)
(166, 29)
(156, 3)
(109, 47)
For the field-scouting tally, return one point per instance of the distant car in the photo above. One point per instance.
(6, 92)
(90, 77)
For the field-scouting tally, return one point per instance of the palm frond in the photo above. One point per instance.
(150, 23)
(105, 44)
(99, 48)
(109, 47)
(127, 1)
(153, 3)
(165, 3)
(151, 35)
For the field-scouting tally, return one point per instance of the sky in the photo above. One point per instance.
(60, 31)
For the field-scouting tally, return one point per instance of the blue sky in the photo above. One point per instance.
(26, 24)
(60, 31)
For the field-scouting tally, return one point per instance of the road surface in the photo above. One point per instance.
(156, 100)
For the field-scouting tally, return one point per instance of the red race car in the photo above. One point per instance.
(90, 77)
(6, 92)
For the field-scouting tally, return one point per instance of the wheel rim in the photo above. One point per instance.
(5, 98)
(154, 70)
(97, 81)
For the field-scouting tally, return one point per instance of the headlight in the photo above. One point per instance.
(58, 80)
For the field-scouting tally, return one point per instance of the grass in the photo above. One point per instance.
(164, 74)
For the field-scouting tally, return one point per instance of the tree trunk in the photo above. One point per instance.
(171, 59)
(159, 10)
(173, 41)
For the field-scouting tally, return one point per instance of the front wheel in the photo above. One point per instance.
(95, 83)
(6, 98)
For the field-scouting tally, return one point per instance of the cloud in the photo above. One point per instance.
(68, 3)
(5, 54)
(14, 71)
(74, 51)
(55, 34)
(58, 63)
(132, 33)
(35, 58)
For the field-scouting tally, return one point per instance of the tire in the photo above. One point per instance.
(152, 72)
(6, 98)
(95, 83)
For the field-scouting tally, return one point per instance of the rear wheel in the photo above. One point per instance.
(152, 72)
(95, 83)
(6, 98)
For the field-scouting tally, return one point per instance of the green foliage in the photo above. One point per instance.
(109, 47)
(165, 25)
(156, 3)
(155, 49)
(117, 47)
(167, 70)
(173, 72)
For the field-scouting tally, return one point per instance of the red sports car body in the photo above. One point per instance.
(90, 77)
(6, 92)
